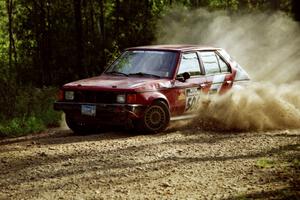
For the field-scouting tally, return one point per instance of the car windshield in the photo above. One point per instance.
(144, 63)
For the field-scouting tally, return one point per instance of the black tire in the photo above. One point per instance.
(156, 118)
(77, 127)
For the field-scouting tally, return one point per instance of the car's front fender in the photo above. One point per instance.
(150, 97)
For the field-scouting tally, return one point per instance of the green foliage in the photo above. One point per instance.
(32, 112)
(4, 42)
(229, 4)
(21, 126)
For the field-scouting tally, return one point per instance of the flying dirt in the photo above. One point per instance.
(267, 46)
(259, 107)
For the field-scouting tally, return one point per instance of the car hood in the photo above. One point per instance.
(119, 83)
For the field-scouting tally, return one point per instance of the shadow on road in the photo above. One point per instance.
(65, 136)
(55, 135)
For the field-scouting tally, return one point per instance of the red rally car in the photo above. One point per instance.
(148, 86)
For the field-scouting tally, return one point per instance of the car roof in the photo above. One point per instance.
(173, 47)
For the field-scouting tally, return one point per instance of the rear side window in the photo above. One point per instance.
(213, 63)
(223, 65)
(210, 62)
(225, 55)
(189, 63)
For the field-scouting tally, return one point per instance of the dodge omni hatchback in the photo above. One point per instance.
(148, 86)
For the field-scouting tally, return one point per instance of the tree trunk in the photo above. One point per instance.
(11, 48)
(296, 9)
(41, 28)
(196, 3)
(275, 4)
(43, 42)
(48, 44)
(102, 33)
(11, 83)
(117, 15)
(79, 42)
(92, 14)
(45, 49)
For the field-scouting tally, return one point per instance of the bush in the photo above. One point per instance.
(32, 113)
(21, 126)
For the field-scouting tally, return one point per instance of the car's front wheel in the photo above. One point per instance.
(156, 118)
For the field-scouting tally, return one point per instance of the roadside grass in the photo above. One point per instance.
(32, 112)
(295, 163)
(264, 163)
(283, 170)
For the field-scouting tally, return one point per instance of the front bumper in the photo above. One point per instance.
(105, 113)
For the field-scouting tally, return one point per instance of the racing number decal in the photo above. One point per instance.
(192, 99)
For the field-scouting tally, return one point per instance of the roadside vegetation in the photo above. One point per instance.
(283, 171)
(45, 43)
(29, 112)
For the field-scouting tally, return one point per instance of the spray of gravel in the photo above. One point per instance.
(267, 45)
(261, 107)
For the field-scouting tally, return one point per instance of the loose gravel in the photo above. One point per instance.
(178, 164)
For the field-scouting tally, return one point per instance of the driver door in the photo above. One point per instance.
(188, 88)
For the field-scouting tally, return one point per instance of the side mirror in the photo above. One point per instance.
(183, 77)
(186, 75)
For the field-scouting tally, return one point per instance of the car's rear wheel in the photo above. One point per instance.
(156, 118)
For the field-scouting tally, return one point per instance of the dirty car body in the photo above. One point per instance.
(148, 86)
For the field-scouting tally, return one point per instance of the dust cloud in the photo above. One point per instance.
(262, 106)
(63, 124)
(267, 45)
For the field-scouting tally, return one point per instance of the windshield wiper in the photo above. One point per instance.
(143, 74)
(116, 72)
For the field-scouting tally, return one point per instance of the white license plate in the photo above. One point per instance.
(88, 110)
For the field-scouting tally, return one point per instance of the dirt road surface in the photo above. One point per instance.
(184, 163)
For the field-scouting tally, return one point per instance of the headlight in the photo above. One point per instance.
(121, 98)
(69, 95)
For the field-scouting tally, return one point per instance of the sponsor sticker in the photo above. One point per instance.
(192, 99)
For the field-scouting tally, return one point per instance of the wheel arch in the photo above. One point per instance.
(159, 97)
(162, 100)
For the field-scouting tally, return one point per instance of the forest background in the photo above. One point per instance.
(46, 43)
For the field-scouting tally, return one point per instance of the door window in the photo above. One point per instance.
(189, 63)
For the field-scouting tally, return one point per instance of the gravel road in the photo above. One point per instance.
(184, 163)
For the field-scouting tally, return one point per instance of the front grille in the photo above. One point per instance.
(95, 97)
